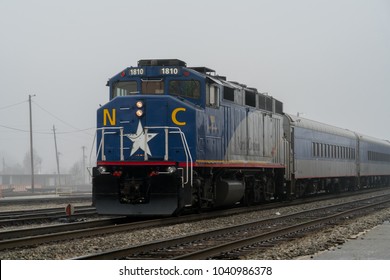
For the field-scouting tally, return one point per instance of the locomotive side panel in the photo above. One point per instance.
(256, 137)
(237, 144)
(255, 133)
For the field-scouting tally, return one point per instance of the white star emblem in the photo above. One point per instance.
(138, 140)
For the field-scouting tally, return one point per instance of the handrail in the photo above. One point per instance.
(101, 144)
(189, 161)
(167, 130)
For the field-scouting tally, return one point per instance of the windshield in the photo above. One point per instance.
(124, 88)
(152, 87)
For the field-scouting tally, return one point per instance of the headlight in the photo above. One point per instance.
(102, 169)
(171, 169)
(139, 104)
(139, 113)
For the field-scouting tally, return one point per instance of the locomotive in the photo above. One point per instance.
(174, 138)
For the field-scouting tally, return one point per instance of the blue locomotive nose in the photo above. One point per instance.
(137, 129)
(145, 151)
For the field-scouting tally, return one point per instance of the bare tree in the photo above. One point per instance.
(76, 172)
(27, 163)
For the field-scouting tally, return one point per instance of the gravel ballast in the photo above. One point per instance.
(324, 240)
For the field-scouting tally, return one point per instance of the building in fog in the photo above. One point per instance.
(22, 182)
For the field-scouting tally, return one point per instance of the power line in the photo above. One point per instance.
(13, 105)
(54, 116)
(76, 130)
(41, 132)
(13, 128)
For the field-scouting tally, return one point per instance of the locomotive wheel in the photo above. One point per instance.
(300, 189)
(269, 190)
(257, 193)
(253, 195)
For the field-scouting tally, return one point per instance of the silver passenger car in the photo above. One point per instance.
(374, 161)
(321, 158)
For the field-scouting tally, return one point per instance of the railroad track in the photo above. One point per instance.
(230, 243)
(30, 216)
(38, 235)
(31, 237)
(39, 200)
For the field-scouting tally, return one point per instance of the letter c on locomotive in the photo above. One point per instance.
(174, 118)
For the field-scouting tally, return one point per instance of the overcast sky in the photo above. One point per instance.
(328, 60)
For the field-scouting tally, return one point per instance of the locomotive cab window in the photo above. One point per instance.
(124, 88)
(212, 96)
(152, 87)
(185, 88)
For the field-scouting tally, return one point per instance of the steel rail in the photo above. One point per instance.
(235, 245)
(80, 211)
(211, 251)
(49, 234)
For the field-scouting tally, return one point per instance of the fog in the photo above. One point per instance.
(327, 60)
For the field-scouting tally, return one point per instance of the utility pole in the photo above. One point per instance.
(58, 161)
(83, 147)
(31, 144)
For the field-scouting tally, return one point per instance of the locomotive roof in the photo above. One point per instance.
(203, 69)
(161, 62)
